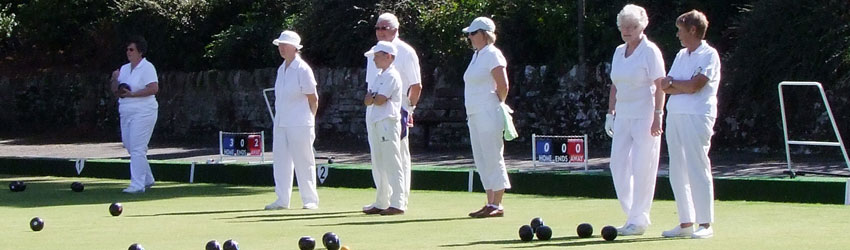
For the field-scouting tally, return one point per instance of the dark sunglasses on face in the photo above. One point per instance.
(473, 33)
(383, 28)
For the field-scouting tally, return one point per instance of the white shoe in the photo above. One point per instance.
(678, 231)
(703, 233)
(275, 206)
(131, 190)
(631, 229)
(311, 206)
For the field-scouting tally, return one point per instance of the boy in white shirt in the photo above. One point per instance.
(383, 102)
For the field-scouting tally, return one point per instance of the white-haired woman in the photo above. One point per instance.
(136, 84)
(296, 101)
(692, 110)
(638, 106)
(485, 88)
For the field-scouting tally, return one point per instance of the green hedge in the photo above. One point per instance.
(88, 35)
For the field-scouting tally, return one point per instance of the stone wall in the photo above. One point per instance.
(195, 106)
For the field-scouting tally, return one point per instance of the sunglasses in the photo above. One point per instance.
(473, 33)
(131, 49)
(384, 28)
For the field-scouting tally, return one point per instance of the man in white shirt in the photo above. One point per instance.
(691, 111)
(407, 64)
(383, 101)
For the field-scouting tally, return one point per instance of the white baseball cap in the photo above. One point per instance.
(288, 37)
(481, 23)
(384, 46)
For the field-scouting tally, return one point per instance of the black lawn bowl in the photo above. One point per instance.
(526, 233)
(544, 233)
(306, 243)
(36, 224)
(609, 233)
(77, 187)
(584, 230)
(535, 223)
(17, 186)
(230, 245)
(115, 209)
(213, 245)
(331, 241)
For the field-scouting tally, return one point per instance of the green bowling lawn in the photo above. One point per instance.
(185, 216)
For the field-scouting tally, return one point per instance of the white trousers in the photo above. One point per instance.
(688, 142)
(384, 144)
(293, 152)
(137, 123)
(486, 136)
(405, 167)
(634, 166)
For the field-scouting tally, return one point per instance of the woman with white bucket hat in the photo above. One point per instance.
(296, 102)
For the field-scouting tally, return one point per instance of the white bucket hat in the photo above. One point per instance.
(481, 23)
(384, 46)
(288, 37)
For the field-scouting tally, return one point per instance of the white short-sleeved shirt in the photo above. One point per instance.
(634, 78)
(138, 78)
(386, 83)
(479, 85)
(291, 86)
(706, 61)
(407, 64)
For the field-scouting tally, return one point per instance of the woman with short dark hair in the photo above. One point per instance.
(136, 84)
(692, 84)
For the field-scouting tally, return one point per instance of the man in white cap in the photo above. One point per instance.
(296, 102)
(407, 64)
(383, 101)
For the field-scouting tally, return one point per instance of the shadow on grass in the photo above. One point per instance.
(370, 223)
(43, 192)
(198, 213)
(300, 217)
(295, 214)
(569, 241)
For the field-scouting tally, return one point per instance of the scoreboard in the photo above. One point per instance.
(559, 149)
(241, 144)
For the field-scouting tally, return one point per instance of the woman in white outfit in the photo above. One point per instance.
(638, 107)
(691, 111)
(485, 88)
(296, 101)
(136, 85)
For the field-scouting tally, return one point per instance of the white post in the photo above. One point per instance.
(192, 173)
(534, 150)
(847, 193)
(471, 174)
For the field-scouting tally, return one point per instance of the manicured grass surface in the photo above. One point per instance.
(186, 216)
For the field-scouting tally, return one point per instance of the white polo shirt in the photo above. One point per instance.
(290, 89)
(387, 83)
(704, 60)
(479, 90)
(138, 78)
(407, 64)
(633, 76)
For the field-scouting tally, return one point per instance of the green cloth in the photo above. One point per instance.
(510, 130)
